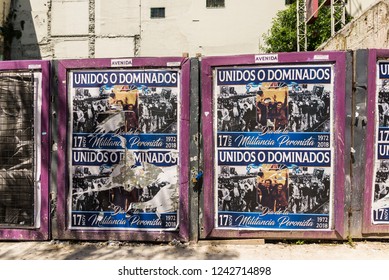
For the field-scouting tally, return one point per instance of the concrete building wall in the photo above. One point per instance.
(4, 12)
(104, 28)
(369, 30)
(356, 7)
(57, 29)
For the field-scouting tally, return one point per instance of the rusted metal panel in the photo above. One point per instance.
(25, 156)
(194, 156)
(358, 139)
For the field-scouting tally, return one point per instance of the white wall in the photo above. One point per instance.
(105, 28)
(357, 7)
(193, 28)
(57, 29)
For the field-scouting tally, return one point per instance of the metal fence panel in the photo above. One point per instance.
(274, 131)
(376, 209)
(123, 161)
(24, 150)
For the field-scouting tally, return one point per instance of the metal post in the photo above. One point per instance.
(338, 15)
(301, 25)
(332, 18)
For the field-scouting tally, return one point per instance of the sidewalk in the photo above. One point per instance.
(204, 250)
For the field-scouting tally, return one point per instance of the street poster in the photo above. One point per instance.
(124, 149)
(274, 147)
(380, 199)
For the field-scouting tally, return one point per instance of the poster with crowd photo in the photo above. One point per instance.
(124, 149)
(274, 147)
(380, 205)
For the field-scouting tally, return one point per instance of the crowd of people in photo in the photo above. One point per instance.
(383, 104)
(148, 112)
(158, 112)
(309, 110)
(309, 192)
(236, 112)
(91, 192)
(305, 193)
(237, 195)
(294, 110)
(272, 114)
(381, 187)
(245, 195)
(85, 113)
(250, 193)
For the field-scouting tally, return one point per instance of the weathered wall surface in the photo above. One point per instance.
(370, 30)
(4, 14)
(60, 29)
(356, 7)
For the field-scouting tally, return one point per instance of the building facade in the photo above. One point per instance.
(46, 29)
(102, 28)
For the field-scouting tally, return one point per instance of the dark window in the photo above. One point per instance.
(157, 12)
(215, 3)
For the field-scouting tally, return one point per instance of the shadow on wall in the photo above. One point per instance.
(18, 29)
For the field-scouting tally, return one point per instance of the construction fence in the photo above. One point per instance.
(272, 146)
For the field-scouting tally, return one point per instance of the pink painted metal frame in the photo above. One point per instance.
(42, 232)
(63, 173)
(339, 60)
(367, 226)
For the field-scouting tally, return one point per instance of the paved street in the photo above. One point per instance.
(205, 250)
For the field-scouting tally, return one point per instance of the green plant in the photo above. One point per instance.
(282, 36)
(300, 242)
(350, 241)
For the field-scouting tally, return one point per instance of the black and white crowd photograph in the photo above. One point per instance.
(274, 188)
(237, 190)
(236, 111)
(125, 109)
(158, 111)
(274, 107)
(309, 108)
(309, 190)
(241, 190)
(96, 188)
(381, 186)
(383, 103)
